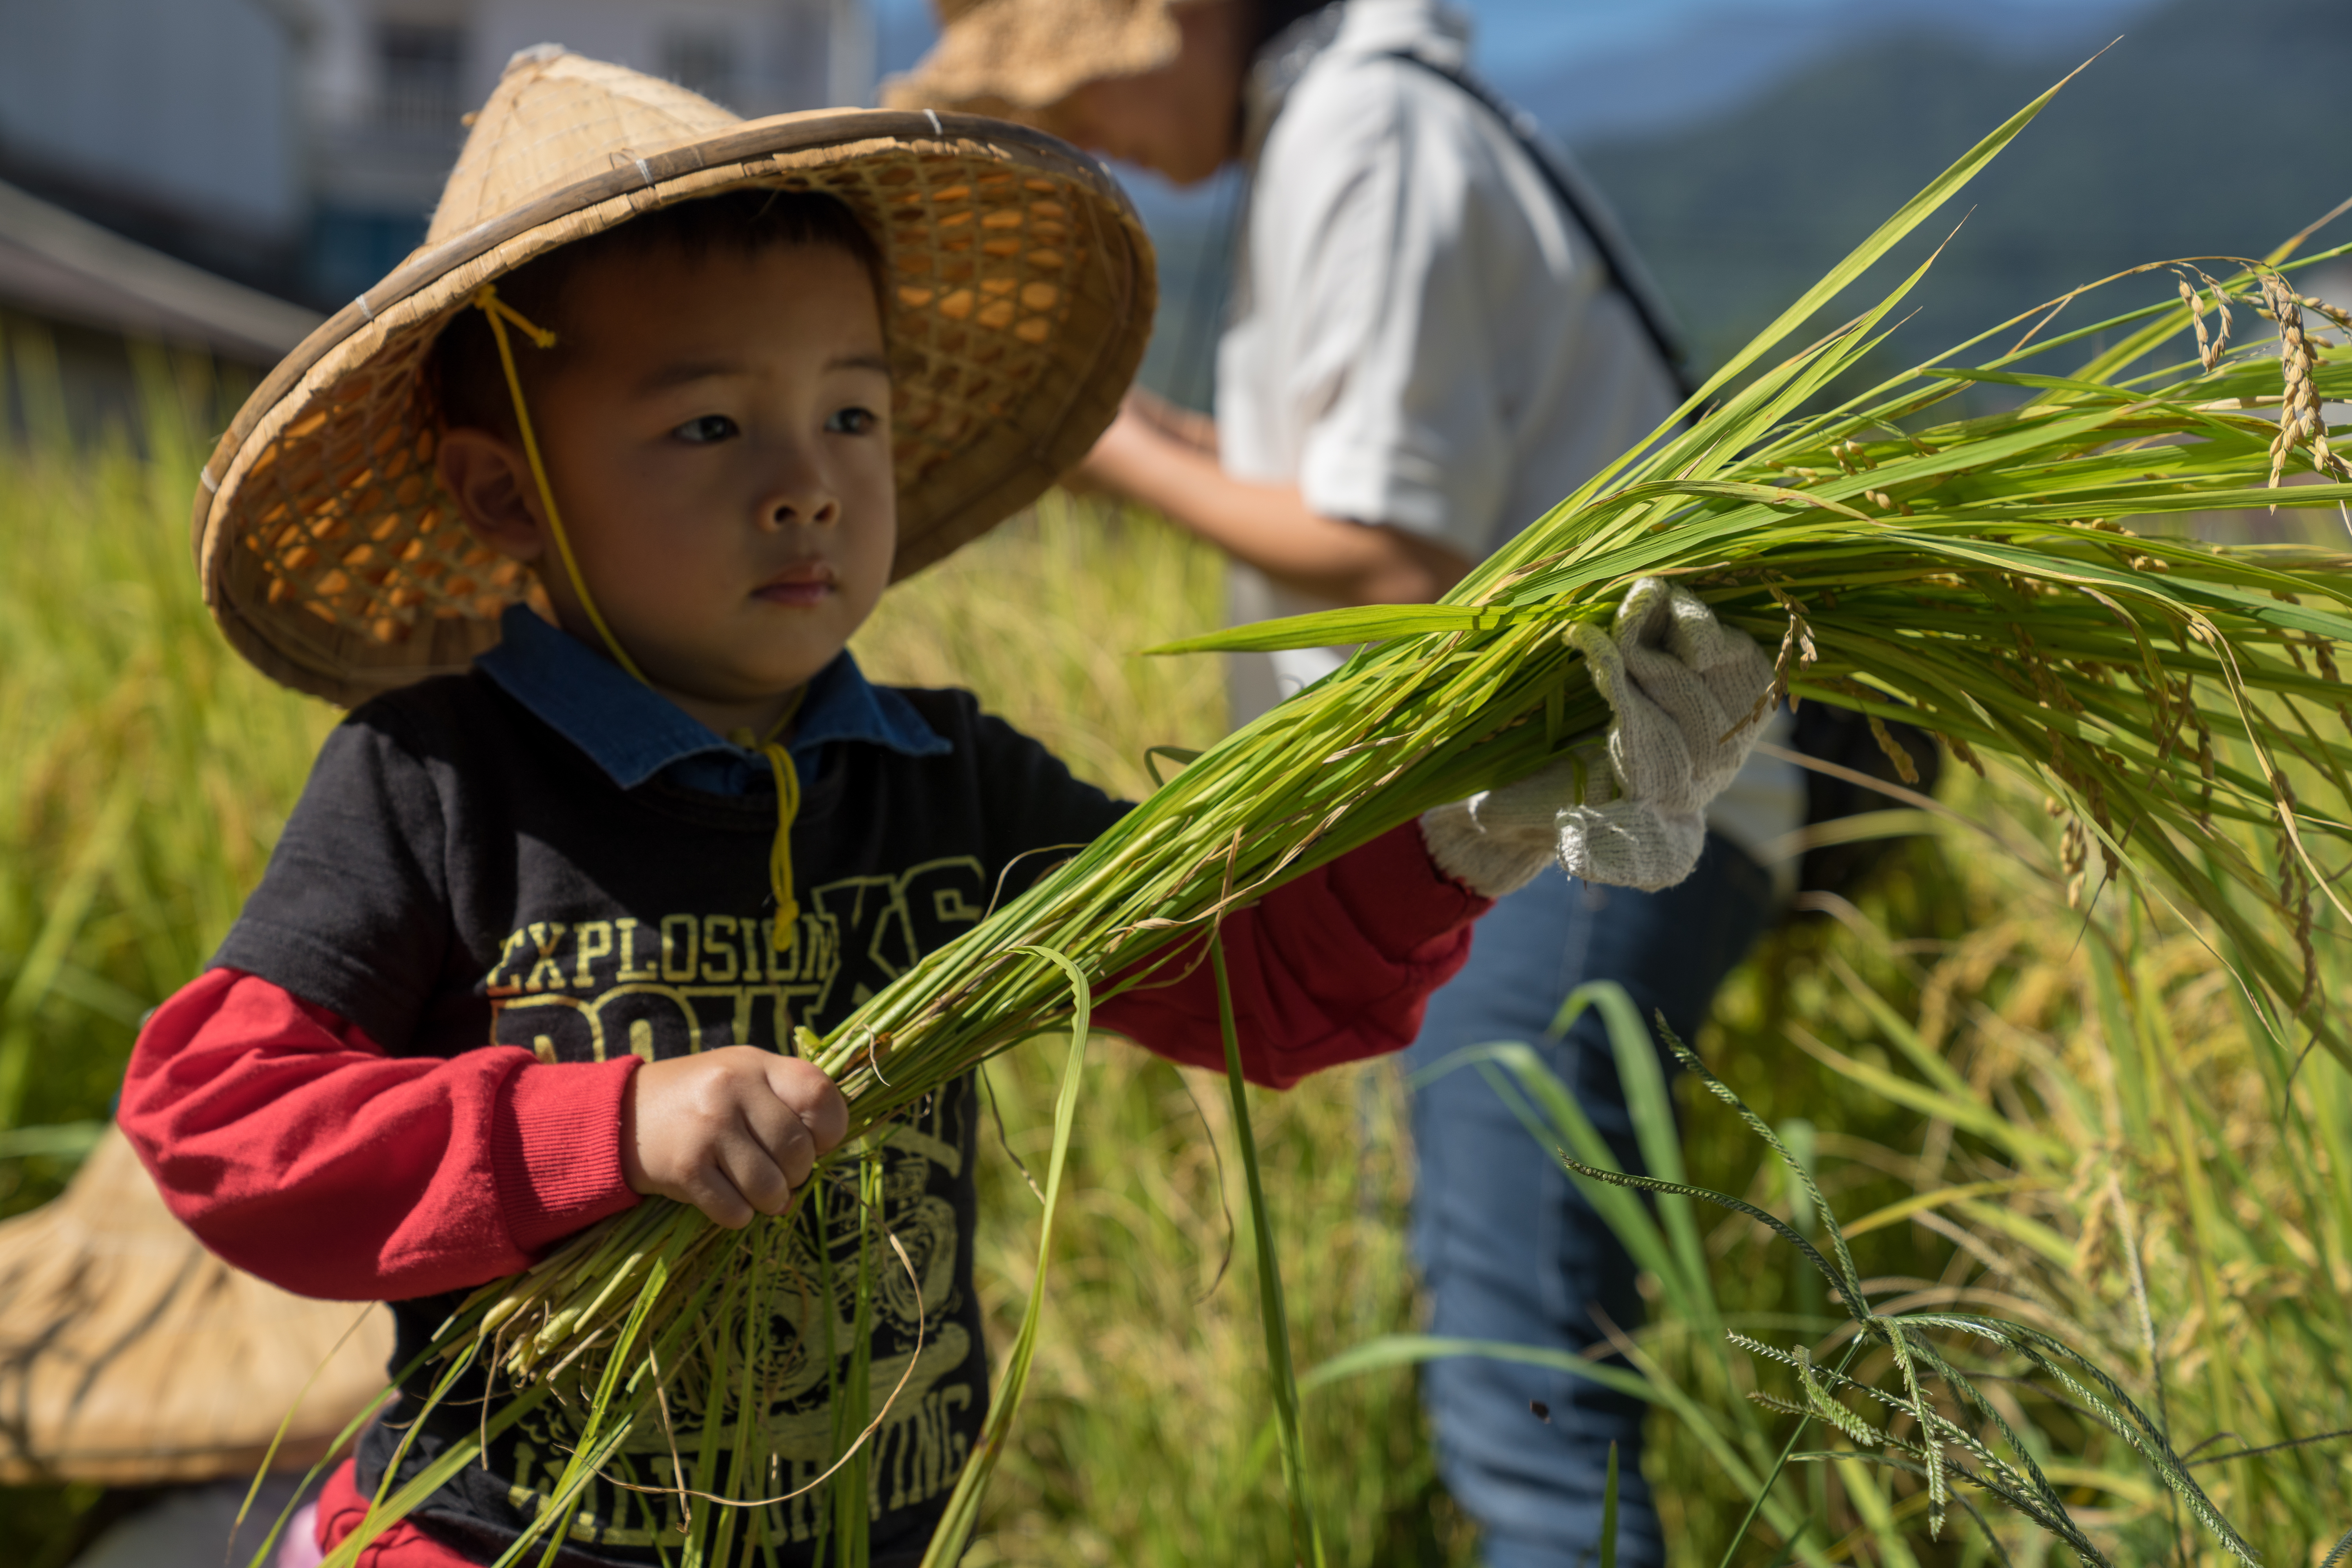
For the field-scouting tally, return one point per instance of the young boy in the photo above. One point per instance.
(533, 941)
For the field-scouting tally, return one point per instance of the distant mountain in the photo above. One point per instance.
(2204, 130)
(1706, 60)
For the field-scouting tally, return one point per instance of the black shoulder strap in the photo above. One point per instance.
(1589, 212)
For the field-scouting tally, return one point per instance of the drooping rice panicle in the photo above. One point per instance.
(1970, 576)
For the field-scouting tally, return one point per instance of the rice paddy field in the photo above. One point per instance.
(2069, 1118)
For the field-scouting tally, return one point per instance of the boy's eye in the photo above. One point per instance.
(853, 422)
(709, 427)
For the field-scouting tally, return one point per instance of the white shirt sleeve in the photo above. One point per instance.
(1389, 243)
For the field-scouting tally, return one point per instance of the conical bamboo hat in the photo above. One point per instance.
(1019, 292)
(1014, 58)
(131, 1356)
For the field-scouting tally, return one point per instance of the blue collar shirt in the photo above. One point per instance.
(634, 733)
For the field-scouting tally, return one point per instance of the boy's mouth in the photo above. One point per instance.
(802, 583)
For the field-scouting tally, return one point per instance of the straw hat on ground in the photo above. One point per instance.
(131, 1356)
(1012, 58)
(1019, 293)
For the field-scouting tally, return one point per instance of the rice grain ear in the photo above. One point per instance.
(2300, 423)
(2206, 353)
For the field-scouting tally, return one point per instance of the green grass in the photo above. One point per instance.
(2101, 1108)
(147, 768)
(1961, 1028)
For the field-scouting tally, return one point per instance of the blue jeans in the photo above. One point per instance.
(1506, 1247)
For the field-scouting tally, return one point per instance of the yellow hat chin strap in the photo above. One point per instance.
(786, 930)
(780, 760)
(780, 853)
(487, 301)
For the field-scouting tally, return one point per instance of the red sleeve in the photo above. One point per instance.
(1333, 967)
(300, 1152)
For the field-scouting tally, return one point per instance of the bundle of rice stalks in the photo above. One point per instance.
(1970, 576)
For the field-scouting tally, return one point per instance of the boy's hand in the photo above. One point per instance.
(732, 1132)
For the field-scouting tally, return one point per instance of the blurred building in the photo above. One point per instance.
(385, 84)
(172, 122)
(297, 145)
(86, 284)
(152, 195)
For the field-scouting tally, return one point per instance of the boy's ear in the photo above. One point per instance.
(489, 478)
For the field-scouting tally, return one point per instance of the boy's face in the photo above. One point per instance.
(716, 433)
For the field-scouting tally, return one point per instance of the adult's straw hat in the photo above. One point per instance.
(131, 1356)
(1018, 295)
(1014, 58)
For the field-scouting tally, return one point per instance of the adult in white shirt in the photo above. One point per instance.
(1425, 351)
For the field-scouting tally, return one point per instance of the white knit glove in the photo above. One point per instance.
(1686, 691)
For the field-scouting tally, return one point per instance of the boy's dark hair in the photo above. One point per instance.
(1269, 20)
(468, 381)
(1274, 16)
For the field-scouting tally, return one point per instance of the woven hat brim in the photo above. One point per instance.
(131, 1356)
(1019, 292)
(1016, 59)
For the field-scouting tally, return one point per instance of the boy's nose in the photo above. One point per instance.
(799, 495)
(808, 511)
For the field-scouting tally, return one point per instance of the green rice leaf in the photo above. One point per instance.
(1326, 628)
(1284, 1381)
(963, 1513)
